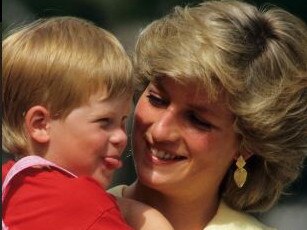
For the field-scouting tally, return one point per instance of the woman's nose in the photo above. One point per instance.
(166, 128)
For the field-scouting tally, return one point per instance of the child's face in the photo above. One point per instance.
(91, 139)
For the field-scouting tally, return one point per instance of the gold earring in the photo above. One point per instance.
(240, 174)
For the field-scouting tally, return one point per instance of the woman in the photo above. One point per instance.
(221, 127)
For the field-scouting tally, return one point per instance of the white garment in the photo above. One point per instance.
(224, 219)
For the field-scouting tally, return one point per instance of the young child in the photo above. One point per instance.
(67, 90)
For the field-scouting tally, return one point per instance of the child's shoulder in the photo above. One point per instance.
(57, 185)
(6, 167)
(50, 194)
(89, 192)
(73, 191)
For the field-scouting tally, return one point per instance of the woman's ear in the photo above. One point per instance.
(37, 121)
(245, 154)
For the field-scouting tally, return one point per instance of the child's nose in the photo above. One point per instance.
(119, 138)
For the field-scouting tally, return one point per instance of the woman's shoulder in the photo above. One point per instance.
(230, 219)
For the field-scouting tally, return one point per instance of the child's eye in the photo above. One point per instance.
(156, 101)
(198, 122)
(104, 122)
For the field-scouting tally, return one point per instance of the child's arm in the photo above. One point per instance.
(141, 216)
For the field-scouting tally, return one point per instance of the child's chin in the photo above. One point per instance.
(105, 180)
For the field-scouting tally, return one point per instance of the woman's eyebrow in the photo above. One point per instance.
(204, 109)
(158, 83)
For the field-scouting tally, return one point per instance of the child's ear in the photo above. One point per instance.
(37, 121)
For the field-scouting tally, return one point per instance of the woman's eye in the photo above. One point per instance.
(199, 123)
(156, 101)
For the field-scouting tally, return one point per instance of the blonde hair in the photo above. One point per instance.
(258, 59)
(58, 63)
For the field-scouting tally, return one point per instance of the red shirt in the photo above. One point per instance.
(47, 198)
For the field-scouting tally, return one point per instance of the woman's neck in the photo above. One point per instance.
(184, 212)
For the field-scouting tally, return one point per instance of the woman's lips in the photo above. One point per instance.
(162, 157)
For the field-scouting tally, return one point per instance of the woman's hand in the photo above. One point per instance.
(141, 216)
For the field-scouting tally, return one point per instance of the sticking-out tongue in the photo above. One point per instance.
(113, 163)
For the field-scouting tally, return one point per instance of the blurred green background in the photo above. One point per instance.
(122, 17)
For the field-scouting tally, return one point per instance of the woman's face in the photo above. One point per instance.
(183, 143)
